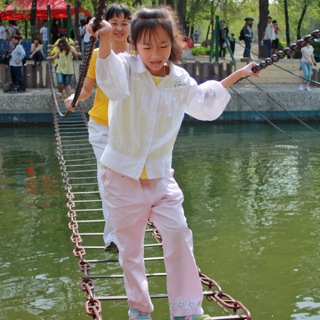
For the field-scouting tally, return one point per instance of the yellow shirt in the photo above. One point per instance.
(99, 110)
(65, 61)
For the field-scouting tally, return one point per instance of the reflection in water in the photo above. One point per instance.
(251, 199)
(258, 194)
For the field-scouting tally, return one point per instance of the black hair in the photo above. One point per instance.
(146, 21)
(66, 46)
(116, 10)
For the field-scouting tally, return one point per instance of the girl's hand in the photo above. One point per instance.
(248, 70)
(105, 28)
(67, 103)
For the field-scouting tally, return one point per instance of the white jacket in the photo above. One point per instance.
(146, 118)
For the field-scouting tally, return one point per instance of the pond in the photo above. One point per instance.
(251, 198)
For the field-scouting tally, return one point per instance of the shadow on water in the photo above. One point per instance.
(251, 199)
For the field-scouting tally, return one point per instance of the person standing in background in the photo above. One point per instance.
(44, 38)
(86, 36)
(248, 35)
(17, 55)
(196, 36)
(223, 35)
(232, 42)
(275, 42)
(54, 30)
(307, 60)
(2, 39)
(269, 36)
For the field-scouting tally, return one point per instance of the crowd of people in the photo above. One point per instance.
(13, 53)
(270, 37)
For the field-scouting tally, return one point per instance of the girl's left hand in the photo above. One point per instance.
(248, 70)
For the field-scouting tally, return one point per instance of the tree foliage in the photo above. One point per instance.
(296, 18)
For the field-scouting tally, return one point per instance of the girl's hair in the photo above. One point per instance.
(88, 19)
(116, 10)
(145, 22)
(66, 46)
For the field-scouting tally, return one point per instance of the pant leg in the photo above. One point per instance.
(304, 67)
(45, 48)
(129, 209)
(20, 78)
(247, 50)
(183, 282)
(13, 75)
(98, 137)
(309, 72)
(1, 48)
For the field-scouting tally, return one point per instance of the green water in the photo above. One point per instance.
(251, 199)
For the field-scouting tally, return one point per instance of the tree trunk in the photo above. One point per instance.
(76, 23)
(286, 17)
(33, 19)
(181, 10)
(263, 15)
(304, 10)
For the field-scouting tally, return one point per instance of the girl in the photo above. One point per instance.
(65, 69)
(119, 17)
(307, 61)
(150, 95)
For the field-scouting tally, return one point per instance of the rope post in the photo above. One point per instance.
(69, 22)
(49, 24)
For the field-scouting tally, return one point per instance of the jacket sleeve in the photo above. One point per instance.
(112, 76)
(208, 101)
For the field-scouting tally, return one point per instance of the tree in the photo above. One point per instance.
(33, 19)
(286, 16)
(304, 10)
(263, 14)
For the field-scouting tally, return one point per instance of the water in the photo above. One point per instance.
(251, 199)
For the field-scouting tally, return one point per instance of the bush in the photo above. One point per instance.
(201, 51)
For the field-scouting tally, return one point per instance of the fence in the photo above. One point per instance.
(36, 76)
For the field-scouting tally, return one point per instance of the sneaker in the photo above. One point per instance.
(112, 247)
(136, 314)
(308, 89)
(301, 87)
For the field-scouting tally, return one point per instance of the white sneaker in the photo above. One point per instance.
(301, 87)
(308, 89)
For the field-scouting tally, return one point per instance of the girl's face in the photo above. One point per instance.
(154, 50)
(120, 28)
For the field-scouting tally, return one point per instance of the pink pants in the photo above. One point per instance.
(130, 202)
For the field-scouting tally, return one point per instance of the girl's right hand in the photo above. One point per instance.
(67, 103)
(105, 28)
